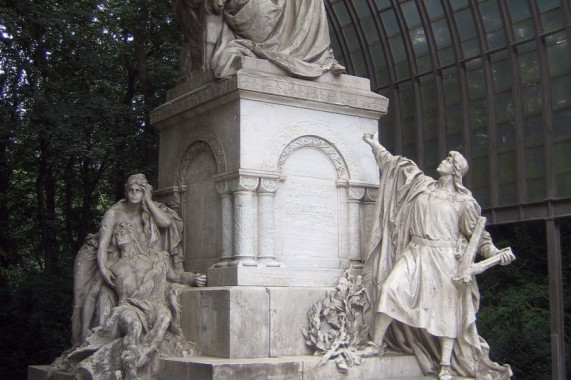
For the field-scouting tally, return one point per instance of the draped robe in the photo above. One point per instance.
(293, 34)
(414, 250)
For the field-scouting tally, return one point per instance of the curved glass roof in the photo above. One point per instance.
(489, 78)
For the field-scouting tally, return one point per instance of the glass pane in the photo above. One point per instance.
(534, 163)
(507, 167)
(361, 8)
(351, 38)
(478, 112)
(476, 81)
(454, 119)
(552, 20)
(561, 92)
(381, 4)
(503, 104)
(341, 13)
(399, 57)
(561, 126)
(533, 130)
(479, 142)
(501, 72)
(454, 142)
(519, 10)
(441, 32)
(491, 15)
(480, 179)
(505, 135)
(410, 13)
(563, 168)
(558, 54)
(434, 8)
(465, 24)
(523, 30)
(532, 98)
(390, 22)
(368, 26)
(529, 67)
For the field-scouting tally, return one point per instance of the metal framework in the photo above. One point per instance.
(509, 131)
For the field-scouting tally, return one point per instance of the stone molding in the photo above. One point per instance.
(200, 140)
(280, 87)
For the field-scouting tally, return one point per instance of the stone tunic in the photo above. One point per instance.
(419, 290)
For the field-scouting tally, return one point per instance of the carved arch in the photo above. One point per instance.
(315, 135)
(201, 140)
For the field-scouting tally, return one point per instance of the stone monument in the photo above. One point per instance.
(262, 161)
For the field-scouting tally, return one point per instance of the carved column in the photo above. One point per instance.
(266, 247)
(243, 189)
(227, 235)
(354, 196)
(368, 217)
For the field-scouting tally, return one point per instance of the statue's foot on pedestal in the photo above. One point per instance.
(445, 373)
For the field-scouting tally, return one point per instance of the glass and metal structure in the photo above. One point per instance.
(488, 78)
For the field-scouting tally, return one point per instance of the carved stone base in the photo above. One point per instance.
(288, 368)
(272, 276)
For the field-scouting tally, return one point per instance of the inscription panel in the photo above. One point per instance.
(307, 210)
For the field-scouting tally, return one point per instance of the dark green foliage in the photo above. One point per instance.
(514, 311)
(77, 82)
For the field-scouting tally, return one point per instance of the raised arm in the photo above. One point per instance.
(381, 153)
(161, 218)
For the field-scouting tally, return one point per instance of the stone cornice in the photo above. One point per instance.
(279, 89)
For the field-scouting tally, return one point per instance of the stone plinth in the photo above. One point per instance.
(288, 368)
(269, 171)
(248, 322)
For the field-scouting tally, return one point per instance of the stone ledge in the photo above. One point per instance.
(287, 368)
(272, 276)
(346, 95)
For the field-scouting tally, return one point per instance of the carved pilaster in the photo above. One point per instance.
(266, 247)
(354, 196)
(243, 189)
(227, 233)
(367, 217)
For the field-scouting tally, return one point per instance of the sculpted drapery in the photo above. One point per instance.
(414, 251)
(293, 34)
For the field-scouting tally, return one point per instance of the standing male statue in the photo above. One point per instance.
(421, 248)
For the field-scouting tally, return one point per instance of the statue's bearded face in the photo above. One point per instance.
(134, 194)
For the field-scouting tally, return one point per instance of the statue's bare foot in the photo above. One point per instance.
(445, 373)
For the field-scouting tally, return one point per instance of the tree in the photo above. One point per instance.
(78, 81)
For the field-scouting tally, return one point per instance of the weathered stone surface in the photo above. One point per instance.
(287, 368)
(227, 322)
(233, 162)
(270, 276)
(248, 322)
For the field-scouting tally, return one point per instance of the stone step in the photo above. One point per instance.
(287, 368)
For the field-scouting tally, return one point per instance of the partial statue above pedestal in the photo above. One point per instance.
(293, 34)
(420, 267)
(126, 284)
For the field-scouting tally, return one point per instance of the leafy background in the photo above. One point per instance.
(78, 80)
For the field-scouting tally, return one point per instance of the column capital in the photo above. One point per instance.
(244, 183)
(355, 193)
(268, 185)
(371, 194)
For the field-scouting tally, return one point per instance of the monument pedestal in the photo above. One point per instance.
(276, 189)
